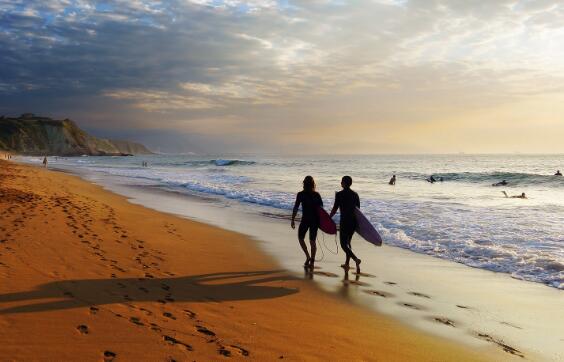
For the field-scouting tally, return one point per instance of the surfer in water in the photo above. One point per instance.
(346, 201)
(522, 196)
(392, 180)
(310, 201)
(501, 183)
(558, 173)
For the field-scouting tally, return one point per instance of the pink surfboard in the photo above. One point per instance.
(365, 229)
(326, 224)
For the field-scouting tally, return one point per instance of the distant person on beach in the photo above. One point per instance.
(346, 201)
(431, 179)
(522, 196)
(392, 180)
(501, 183)
(45, 161)
(558, 173)
(310, 201)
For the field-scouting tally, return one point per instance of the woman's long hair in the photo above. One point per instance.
(309, 184)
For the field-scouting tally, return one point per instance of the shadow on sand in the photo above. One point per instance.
(217, 287)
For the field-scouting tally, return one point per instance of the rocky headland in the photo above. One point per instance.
(29, 134)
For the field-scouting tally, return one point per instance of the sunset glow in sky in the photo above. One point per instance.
(316, 76)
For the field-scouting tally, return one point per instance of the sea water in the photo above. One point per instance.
(463, 218)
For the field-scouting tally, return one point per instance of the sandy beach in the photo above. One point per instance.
(88, 276)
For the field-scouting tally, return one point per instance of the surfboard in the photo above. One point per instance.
(365, 229)
(326, 224)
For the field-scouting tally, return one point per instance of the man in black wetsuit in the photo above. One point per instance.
(310, 201)
(346, 201)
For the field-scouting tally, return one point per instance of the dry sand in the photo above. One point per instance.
(87, 276)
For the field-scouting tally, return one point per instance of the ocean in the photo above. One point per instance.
(463, 218)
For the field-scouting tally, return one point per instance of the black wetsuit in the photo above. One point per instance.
(347, 200)
(310, 201)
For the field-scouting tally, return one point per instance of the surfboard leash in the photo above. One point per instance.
(336, 246)
(322, 252)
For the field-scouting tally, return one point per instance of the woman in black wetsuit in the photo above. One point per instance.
(310, 201)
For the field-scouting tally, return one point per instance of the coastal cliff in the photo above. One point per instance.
(34, 135)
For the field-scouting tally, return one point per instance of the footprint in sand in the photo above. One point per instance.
(190, 314)
(501, 344)
(325, 274)
(510, 325)
(390, 283)
(356, 282)
(146, 311)
(136, 320)
(379, 293)
(173, 341)
(411, 306)
(205, 331)
(365, 275)
(445, 321)
(94, 310)
(421, 295)
(83, 329)
(463, 306)
(169, 315)
(109, 356)
(228, 351)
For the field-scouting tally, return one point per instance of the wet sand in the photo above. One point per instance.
(88, 276)
(469, 305)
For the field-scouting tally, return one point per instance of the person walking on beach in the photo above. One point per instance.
(310, 201)
(392, 180)
(45, 161)
(346, 201)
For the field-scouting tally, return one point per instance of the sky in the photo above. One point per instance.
(283, 76)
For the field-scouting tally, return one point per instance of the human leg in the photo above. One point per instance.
(313, 243)
(302, 229)
(345, 238)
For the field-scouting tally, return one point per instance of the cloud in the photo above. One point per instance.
(271, 62)
(160, 100)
